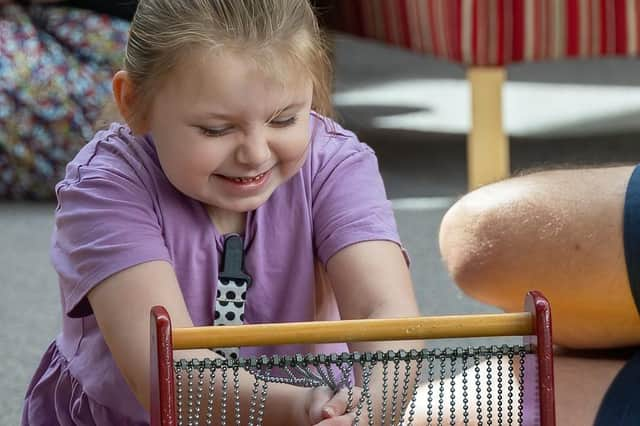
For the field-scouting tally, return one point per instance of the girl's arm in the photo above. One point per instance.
(372, 280)
(122, 303)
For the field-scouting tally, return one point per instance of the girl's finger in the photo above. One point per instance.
(344, 420)
(337, 405)
(319, 398)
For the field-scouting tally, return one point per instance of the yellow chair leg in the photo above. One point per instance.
(487, 144)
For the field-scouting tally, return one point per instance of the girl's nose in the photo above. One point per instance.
(254, 151)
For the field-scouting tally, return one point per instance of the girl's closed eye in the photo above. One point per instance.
(214, 132)
(284, 122)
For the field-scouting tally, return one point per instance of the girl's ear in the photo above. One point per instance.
(124, 96)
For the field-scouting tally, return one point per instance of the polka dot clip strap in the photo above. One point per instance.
(231, 293)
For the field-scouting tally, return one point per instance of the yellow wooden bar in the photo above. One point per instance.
(435, 327)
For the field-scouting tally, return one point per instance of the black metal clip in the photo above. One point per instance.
(233, 260)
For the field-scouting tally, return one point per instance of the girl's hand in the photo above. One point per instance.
(324, 408)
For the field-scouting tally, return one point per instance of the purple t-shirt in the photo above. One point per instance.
(117, 209)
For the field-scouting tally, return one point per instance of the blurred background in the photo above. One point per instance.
(415, 110)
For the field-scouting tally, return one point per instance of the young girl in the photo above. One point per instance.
(222, 135)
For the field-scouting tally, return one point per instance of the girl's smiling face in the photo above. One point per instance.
(226, 133)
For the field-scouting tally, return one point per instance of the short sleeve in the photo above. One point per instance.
(104, 223)
(349, 199)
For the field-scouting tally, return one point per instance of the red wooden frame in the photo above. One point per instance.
(542, 343)
(162, 391)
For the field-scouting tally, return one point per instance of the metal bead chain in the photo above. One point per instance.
(414, 394)
(319, 363)
(179, 392)
(367, 390)
(223, 403)
(405, 383)
(500, 383)
(385, 389)
(211, 396)
(443, 373)
(236, 394)
(331, 375)
(346, 368)
(476, 362)
(521, 387)
(262, 402)
(394, 390)
(430, 390)
(452, 376)
(318, 370)
(190, 419)
(465, 389)
(510, 389)
(199, 391)
(363, 396)
(489, 389)
(253, 401)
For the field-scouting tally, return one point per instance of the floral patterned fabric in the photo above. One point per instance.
(56, 66)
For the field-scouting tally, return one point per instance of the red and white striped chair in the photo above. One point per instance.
(487, 35)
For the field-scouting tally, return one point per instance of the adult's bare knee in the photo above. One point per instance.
(485, 241)
(471, 244)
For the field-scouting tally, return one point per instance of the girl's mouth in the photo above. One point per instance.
(247, 181)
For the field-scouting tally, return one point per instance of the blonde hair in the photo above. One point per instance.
(276, 34)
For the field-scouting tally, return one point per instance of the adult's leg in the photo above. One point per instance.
(581, 381)
(620, 406)
(560, 232)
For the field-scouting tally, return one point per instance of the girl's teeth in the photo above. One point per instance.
(247, 180)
